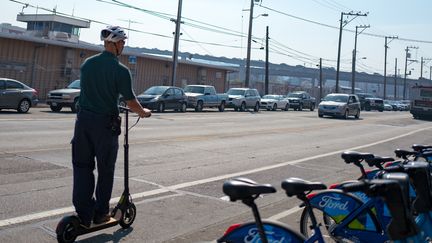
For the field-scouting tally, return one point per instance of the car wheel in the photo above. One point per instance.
(75, 106)
(274, 107)
(312, 107)
(345, 115)
(300, 107)
(222, 107)
(183, 107)
(357, 115)
(56, 108)
(257, 106)
(23, 106)
(161, 107)
(243, 106)
(286, 107)
(236, 109)
(320, 115)
(199, 106)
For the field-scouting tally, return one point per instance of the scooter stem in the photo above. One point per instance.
(126, 154)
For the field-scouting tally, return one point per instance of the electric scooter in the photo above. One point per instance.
(124, 213)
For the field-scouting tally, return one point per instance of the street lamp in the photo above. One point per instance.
(247, 77)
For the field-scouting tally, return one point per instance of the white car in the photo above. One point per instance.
(274, 102)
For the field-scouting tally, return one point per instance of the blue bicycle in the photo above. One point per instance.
(264, 231)
(393, 189)
(362, 218)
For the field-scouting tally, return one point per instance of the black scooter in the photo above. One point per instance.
(124, 213)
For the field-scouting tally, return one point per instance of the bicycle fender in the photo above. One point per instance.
(276, 232)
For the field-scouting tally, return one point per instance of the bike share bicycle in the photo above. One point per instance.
(124, 213)
(265, 231)
(359, 218)
(393, 188)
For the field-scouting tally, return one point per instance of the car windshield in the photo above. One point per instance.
(74, 85)
(294, 95)
(155, 90)
(236, 92)
(274, 97)
(336, 98)
(194, 89)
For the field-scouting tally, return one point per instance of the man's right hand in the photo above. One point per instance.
(136, 107)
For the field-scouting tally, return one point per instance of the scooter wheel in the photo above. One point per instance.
(67, 229)
(128, 216)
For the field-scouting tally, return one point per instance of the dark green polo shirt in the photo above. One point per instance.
(103, 78)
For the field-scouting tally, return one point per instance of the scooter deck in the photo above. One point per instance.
(95, 227)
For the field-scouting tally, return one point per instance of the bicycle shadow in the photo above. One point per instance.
(116, 237)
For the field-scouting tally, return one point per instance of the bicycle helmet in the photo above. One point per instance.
(113, 34)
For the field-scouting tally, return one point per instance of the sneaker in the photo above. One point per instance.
(101, 218)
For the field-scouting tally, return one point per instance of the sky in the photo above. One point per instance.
(300, 31)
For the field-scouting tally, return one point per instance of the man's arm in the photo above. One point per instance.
(136, 107)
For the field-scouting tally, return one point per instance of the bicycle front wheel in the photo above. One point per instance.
(323, 220)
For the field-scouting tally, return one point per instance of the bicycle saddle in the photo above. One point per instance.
(243, 188)
(402, 153)
(420, 147)
(296, 186)
(378, 161)
(355, 157)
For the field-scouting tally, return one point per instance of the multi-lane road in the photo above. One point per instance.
(178, 162)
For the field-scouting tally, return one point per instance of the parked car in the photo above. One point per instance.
(274, 102)
(301, 99)
(16, 95)
(67, 97)
(370, 102)
(161, 98)
(340, 105)
(243, 98)
(200, 96)
(387, 106)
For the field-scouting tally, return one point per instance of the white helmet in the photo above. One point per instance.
(113, 34)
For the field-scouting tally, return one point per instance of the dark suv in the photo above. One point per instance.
(370, 102)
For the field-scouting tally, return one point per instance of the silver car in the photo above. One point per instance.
(340, 105)
(16, 95)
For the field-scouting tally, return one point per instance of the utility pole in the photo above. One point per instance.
(355, 56)
(340, 41)
(247, 77)
(421, 68)
(395, 80)
(321, 80)
(406, 66)
(423, 61)
(385, 62)
(267, 62)
(176, 43)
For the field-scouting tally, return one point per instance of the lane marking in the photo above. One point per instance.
(173, 188)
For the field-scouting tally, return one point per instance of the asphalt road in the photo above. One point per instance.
(178, 162)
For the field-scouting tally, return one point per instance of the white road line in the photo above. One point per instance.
(65, 210)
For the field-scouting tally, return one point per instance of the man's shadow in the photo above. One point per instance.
(115, 237)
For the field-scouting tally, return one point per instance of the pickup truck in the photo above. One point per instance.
(301, 99)
(200, 96)
(67, 97)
